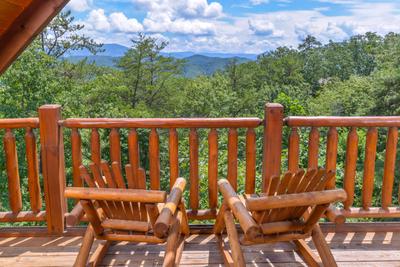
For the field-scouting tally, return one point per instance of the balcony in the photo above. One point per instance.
(43, 155)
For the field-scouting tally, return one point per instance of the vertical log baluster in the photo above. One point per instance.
(390, 161)
(115, 146)
(369, 167)
(76, 150)
(154, 158)
(250, 161)
(213, 168)
(194, 169)
(351, 166)
(173, 156)
(14, 191)
(134, 158)
(313, 148)
(33, 171)
(294, 150)
(331, 154)
(95, 147)
(232, 157)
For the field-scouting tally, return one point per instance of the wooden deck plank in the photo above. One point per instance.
(360, 248)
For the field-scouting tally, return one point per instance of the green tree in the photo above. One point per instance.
(146, 72)
(62, 35)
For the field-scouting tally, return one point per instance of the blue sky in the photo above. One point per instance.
(244, 26)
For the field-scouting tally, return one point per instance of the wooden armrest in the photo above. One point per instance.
(73, 218)
(116, 194)
(162, 224)
(295, 200)
(247, 223)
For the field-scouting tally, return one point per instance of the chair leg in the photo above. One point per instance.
(237, 254)
(100, 252)
(179, 251)
(306, 253)
(219, 224)
(171, 247)
(84, 251)
(322, 247)
(228, 261)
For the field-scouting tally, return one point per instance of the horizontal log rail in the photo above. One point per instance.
(336, 121)
(19, 123)
(351, 159)
(162, 123)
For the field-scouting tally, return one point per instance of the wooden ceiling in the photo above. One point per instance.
(9, 11)
(20, 22)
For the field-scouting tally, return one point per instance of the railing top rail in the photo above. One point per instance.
(162, 123)
(19, 123)
(336, 121)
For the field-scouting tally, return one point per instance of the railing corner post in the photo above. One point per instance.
(52, 152)
(272, 142)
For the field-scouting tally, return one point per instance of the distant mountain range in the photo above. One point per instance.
(196, 63)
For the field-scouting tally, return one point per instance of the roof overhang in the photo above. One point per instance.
(20, 22)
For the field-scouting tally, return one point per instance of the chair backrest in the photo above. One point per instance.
(104, 207)
(295, 202)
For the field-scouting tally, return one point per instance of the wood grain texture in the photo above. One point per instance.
(389, 167)
(154, 158)
(331, 153)
(163, 123)
(14, 187)
(95, 148)
(173, 156)
(53, 167)
(250, 183)
(350, 167)
(369, 167)
(272, 146)
(32, 162)
(213, 168)
(313, 148)
(194, 169)
(76, 153)
(134, 153)
(293, 150)
(232, 174)
(115, 146)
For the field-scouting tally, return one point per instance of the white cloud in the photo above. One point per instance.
(121, 23)
(258, 2)
(79, 5)
(201, 25)
(266, 28)
(97, 20)
(180, 16)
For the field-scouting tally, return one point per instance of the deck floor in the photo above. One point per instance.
(350, 249)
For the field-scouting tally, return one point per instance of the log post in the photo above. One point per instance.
(52, 150)
(272, 146)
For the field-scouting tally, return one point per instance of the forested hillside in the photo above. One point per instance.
(192, 66)
(358, 76)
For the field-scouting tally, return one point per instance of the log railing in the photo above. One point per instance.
(172, 127)
(387, 126)
(309, 138)
(25, 128)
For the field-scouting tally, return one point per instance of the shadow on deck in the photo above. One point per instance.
(349, 249)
